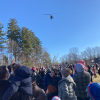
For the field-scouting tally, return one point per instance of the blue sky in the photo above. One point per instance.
(76, 24)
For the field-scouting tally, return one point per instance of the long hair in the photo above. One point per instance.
(51, 89)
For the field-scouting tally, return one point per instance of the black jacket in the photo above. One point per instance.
(91, 73)
(39, 81)
(54, 82)
(11, 77)
(4, 85)
(47, 80)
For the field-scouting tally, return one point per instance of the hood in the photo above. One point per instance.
(67, 79)
(83, 63)
(79, 68)
(24, 72)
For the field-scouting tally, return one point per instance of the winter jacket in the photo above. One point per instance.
(47, 80)
(33, 78)
(4, 85)
(66, 88)
(39, 81)
(22, 82)
(11, 77)
(91, 73)
(38, 93)
(54, 82)
(82, 79)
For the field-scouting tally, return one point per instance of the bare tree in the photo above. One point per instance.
(55, 59)
(97, 49)
(64, 59)
(5, 60)
(73, 55)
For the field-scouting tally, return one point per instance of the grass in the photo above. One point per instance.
(97, 79)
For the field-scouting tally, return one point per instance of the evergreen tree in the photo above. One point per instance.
(46, 59)
(14, 31)
(2, 37)
(2, 41)
(29, 42)
(26, 41)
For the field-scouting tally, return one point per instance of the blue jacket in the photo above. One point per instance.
(47, 80)
(22, 82)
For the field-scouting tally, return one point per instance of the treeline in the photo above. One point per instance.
(23, 45)
(87, 55)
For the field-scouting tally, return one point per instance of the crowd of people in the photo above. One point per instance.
(54, 83)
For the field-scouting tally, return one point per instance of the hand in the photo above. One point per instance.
(13, 61)
(47, 92)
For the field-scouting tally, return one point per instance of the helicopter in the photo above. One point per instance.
(51, 16)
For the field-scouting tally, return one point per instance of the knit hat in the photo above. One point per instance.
(55, 98)
(93, 90)
(33, 68)
(83, 63)
(79, 68)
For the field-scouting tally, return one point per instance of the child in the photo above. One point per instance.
(51, 92)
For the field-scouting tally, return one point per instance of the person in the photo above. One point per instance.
(81, 62)
(54, 79)
(39, 79)
(90, 71)
(57, 72)
(22, 82)
(71, 67)
(4, 83)
(51, 92)
(97, 66)
(94, 71)
(66, 85)
(38, 93)
(82, 79)
(47, 79)
(93, 91)
(33, 69)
